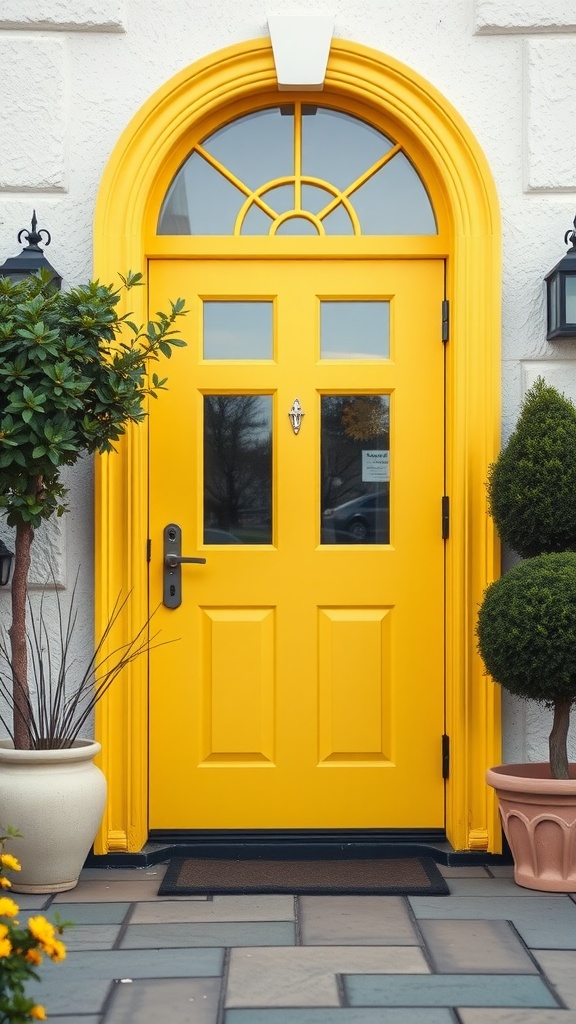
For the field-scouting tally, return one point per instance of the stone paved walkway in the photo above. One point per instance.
(490, 953)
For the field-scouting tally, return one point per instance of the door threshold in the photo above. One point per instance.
(296, 844)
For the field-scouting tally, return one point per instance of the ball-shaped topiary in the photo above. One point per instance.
(532, 484)
(527, 638)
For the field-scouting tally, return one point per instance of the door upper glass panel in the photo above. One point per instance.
(297, 170)
(237, 330)
(355, 330)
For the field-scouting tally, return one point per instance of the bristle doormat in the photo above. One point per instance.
(401, 876)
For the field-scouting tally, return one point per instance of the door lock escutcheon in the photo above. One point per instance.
(173, 560)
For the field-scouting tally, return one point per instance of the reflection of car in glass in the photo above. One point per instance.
(215, 536)
(363, 520)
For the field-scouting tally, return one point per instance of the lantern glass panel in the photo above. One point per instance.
(553, 303)
(571, 298)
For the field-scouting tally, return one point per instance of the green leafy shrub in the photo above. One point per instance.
(74, 373)
(532, 484)
(527, 638)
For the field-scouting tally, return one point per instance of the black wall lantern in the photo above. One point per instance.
(561, 293)
(5, 564)
(32, 258)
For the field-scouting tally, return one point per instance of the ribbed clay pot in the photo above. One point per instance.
(539, 820)
(55, 799)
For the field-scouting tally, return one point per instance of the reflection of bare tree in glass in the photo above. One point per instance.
(237, 460)
(350, 423)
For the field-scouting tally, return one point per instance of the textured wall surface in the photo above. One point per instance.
(23, 163)
(73, 73)
(82, 15)
(525, 16)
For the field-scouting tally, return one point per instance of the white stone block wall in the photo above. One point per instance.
(73, 73)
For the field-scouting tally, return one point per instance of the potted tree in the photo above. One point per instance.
(74, 372)
(527, 630)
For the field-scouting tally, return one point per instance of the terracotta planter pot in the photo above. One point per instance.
(539, 819)
(55, 799)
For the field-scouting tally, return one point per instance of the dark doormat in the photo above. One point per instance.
(400, 876)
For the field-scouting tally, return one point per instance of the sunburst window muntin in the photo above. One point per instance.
(253, 176)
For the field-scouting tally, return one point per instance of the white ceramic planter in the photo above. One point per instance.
(56, 799)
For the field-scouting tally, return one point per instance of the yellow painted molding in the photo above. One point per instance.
(117, 841)
(200, 97)
(478, 839)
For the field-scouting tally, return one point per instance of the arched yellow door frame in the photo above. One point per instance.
(138, 162)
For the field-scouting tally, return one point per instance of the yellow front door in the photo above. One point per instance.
(299, 449)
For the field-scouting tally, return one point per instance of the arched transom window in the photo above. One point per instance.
(297, 170)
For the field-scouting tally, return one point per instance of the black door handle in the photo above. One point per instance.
(173, 560)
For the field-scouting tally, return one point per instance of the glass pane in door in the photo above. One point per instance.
(237, 469)
(237, 330)
(355, 468)
(358, 329)
(298, 158)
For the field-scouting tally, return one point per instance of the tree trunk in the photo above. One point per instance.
(17, 632)
(558, 739)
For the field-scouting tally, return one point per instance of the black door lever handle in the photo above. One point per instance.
(173, 560)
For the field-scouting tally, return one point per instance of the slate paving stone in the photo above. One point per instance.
(70, 995)
(88, 913)
(523, 1016)
(124, 874)
(356, 920)
(220, 908)
(476, 947)
(26, 901)
(136, 963)
(544, 922)
(448, 990)
(191, 1001)
(465, 872)
(231, 933)
(559, 967)
(110, 891)
(496, 887)
(79, 1018)
(306, 976)
(347, 1015)
(91, 936)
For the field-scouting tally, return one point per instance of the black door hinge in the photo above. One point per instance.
(445, 320)
(148, 550)
(445, 517)
(445, 756)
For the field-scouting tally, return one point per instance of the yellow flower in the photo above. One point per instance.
(10, 862)
(57, 952)
(42, 930)
(38, 1013)
(33, 957)
(5, 883)
(5, 947)
(7, 907)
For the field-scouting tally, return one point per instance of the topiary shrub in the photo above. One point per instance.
(532, 484)
(527, 638)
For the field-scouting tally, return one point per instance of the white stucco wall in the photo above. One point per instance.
(73, 72)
